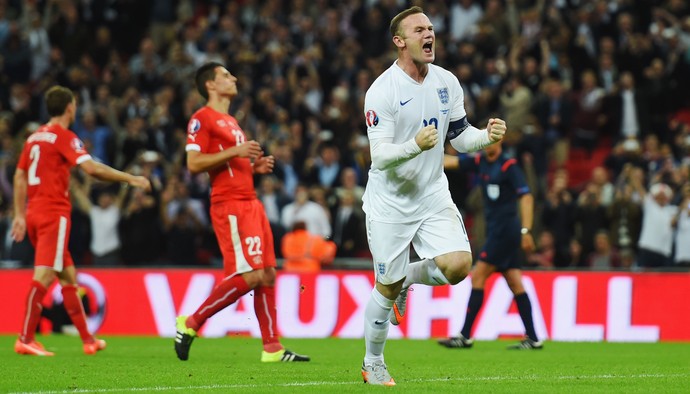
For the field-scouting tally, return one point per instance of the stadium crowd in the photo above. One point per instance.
(596, 96)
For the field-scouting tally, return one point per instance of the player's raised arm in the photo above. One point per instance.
(386, 155)
(466, 138)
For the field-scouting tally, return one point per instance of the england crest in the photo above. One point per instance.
(443, 95)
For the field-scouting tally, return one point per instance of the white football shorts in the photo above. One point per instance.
(438, 234)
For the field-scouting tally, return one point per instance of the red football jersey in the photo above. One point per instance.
(48, 155)
(210, 131)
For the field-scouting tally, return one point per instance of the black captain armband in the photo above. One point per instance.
(455, 128)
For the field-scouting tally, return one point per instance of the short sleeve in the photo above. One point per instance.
(516, 177)
(197, 134)
(72, 148)
(378, 114)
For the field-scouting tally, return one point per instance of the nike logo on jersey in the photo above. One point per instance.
(405, 102)
(379, 322)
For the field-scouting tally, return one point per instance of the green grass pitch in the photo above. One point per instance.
(148, 364)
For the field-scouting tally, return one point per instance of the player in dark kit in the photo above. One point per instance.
(503, 186)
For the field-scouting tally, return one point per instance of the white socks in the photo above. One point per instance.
(425, 272)
(376, 325)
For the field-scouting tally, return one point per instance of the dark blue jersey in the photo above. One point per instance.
(502, 182)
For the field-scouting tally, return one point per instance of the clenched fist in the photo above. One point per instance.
(496, 129)
(427, 137)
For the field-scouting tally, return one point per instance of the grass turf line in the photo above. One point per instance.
(148, 364)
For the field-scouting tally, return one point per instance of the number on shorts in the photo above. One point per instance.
(34, 155)
(253, 245)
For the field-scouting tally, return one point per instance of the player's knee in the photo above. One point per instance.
(459, 269)
(253, 278)
(269, 277)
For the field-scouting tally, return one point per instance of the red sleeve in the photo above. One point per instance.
(71, 148)
(198, 131)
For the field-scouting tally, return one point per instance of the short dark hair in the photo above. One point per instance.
(395, 22)
(205, 73)
(57, 99)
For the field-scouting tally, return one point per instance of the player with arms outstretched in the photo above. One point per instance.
(42, 176)
(409, 109)
(216, 144)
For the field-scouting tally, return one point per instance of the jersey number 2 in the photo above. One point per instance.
(253, 245)
(34, 156)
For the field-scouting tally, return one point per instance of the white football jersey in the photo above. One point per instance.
(396, 107)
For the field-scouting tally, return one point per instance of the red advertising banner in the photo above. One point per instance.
(567, 306)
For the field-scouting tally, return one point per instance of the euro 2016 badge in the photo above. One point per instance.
(443, 95)
(372, 118)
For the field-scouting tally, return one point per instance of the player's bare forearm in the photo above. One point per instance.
(107, 173)
(527, 217)
(202, 162)
(451, 162)
(18, 230)
(527, 210)
(20, 190)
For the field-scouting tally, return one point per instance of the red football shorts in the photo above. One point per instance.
(49, 234)
(244, 236)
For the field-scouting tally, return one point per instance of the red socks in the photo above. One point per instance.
(33, 311)
(265, 309)
(226, 293)
(75, 310)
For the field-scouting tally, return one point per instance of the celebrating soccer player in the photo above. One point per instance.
(409, 109)
(216, 144)
(43, 173)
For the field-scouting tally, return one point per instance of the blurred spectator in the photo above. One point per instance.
(605, 189)
(349, 184)
(625, 219)
(183, 236)
(175, 199)
(104, 217)
(545, 254)
(326, 169)
(516, 102)
(656, 238)
(587, 116)
(554, 111)
(70, 33)
(604, 256)
(627, 110)
(305, 252)
(464, 15)
(98, 135)
(140, 229)
(681, 222)
(272, 197)
(590, 218)
(558, 217)
(302, 209)
(348, 226)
